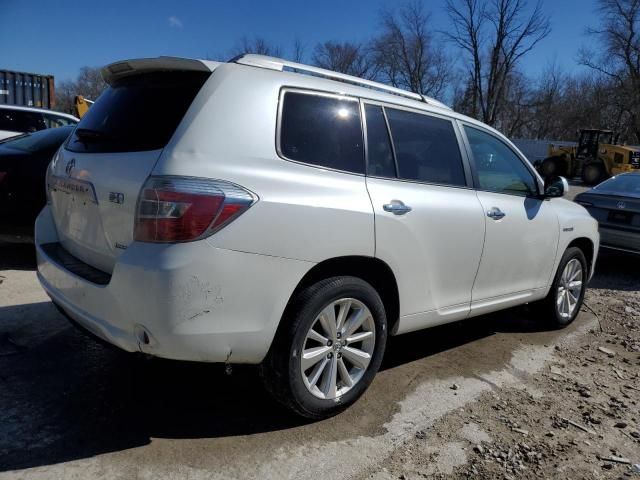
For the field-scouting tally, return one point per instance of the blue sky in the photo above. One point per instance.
(58, 37)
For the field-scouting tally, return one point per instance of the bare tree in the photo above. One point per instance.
(406, 53)
(494, 36)
(298, 51)
(89, 83)
(515, 118)
(619, 60)
(256, 45)
(347, 57)
(548, 109)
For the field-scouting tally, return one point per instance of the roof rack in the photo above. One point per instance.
(282, 65)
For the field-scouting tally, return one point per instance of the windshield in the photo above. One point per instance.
(622, 184)
(137, 113)
(49, 139)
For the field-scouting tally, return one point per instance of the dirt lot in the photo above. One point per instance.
(497, 396)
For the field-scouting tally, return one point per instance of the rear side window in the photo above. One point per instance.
(426, 148)
(322, 130)
(137, 113)
(379, 152)
(21, 121)
(8, 120)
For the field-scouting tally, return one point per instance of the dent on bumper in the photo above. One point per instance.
(194, 301)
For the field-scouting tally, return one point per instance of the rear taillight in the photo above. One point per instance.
(183, 209)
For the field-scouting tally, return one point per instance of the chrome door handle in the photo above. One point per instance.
(496, 213)
(396, 207)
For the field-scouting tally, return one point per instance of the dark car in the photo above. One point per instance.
(23, 166)
(615, 203)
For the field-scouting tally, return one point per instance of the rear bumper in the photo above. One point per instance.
(189, 301)
(620, 239)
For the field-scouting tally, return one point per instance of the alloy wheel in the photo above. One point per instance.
(570, 288)
(338, 348)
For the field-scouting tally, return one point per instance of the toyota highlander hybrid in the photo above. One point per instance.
(267, 212)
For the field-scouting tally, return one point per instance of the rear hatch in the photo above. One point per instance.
(95, 179)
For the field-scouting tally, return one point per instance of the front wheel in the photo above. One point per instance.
(592, 174)
(563, 303)
(329, 347)
(549, 167)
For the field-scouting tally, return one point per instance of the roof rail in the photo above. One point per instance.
(282, 65)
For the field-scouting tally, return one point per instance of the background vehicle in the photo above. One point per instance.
(81, 105)
(23, 165)
(15, 120)
(615, 203)
(244, 197)
(595, 158)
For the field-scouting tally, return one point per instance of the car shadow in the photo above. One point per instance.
(17, 256)
(65, 398)
(616, 270)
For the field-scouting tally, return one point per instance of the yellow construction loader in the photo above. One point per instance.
(81, 105)
(596, 157)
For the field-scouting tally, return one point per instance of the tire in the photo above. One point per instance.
(282, 370)
(549, 167)
(592, 174)
(553, 312)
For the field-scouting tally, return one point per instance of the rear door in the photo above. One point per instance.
(96, 178)
(522, 230)
(429, 223)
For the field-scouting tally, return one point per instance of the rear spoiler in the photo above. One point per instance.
(118, 70)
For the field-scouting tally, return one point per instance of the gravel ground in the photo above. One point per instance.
(579, 417)
(497, 396)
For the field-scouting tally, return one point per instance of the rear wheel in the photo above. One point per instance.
(563, 303)
(592, 173)
(329, 347)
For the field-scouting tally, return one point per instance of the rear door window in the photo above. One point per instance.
(426, 148)
(137, 113)
(8, 120)
(322, 130)
(21, 121)
(379, 153)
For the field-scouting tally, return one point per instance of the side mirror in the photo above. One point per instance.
(555, 187)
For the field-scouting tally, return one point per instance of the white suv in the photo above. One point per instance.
(267, 212)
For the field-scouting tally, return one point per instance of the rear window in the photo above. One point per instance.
(323, 131)
(621, 184)
(137, 113)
